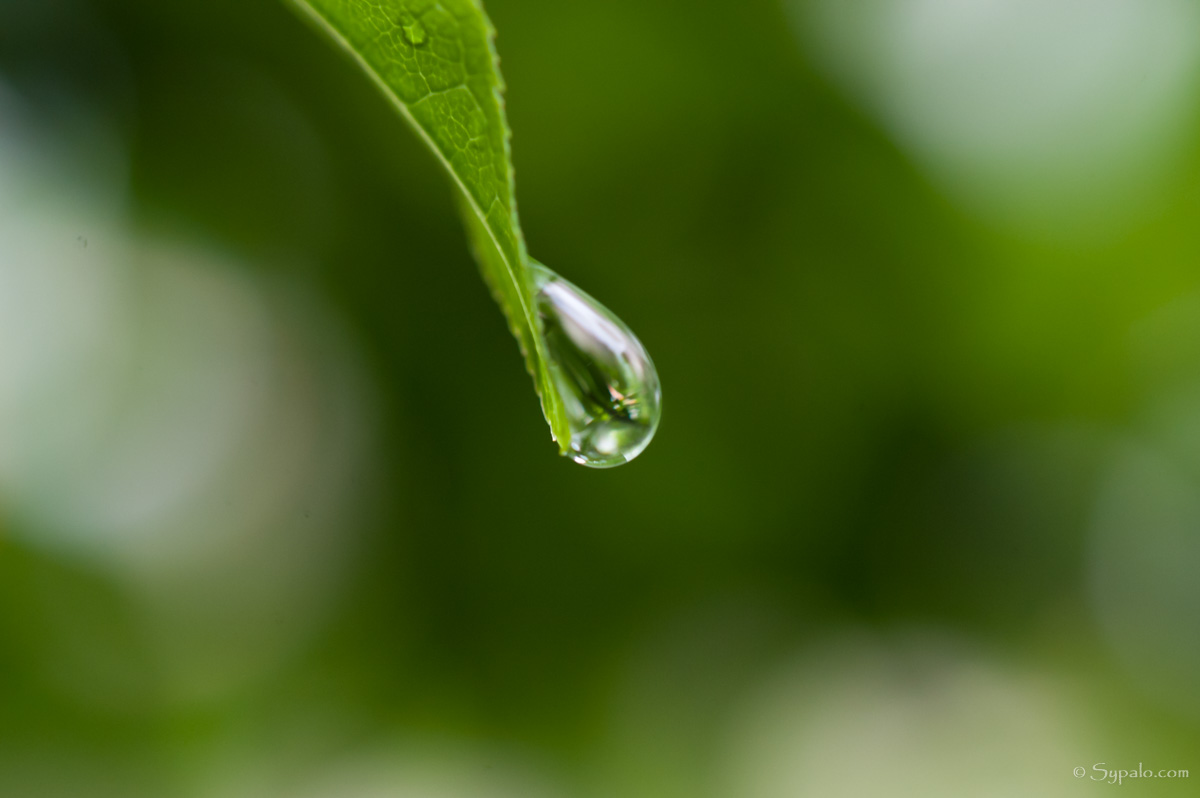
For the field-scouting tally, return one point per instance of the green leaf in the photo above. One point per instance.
(436, 62)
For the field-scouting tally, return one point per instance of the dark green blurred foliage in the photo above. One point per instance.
(882, 409)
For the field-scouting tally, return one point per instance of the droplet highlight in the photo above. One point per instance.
(606, 378)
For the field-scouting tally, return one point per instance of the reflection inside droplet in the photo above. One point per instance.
(607, 381)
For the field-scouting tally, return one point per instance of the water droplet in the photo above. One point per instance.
(414, 32)
(607, 380)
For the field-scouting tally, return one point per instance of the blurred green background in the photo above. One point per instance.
(279, 514)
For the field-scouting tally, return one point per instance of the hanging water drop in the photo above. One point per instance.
(603, 373)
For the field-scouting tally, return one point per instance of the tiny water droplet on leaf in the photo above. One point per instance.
(414, 32)
(608, 383)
